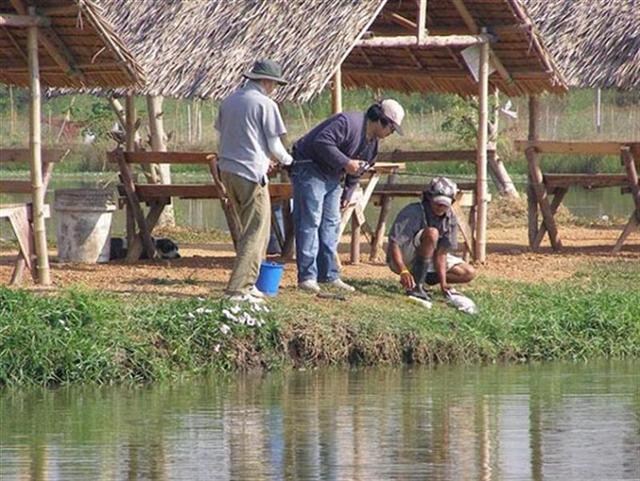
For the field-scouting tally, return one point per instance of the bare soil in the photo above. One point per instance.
(205, 267)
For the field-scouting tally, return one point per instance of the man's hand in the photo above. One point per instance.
(274, 167)
(353, 166)
(406, 279)
(344, 203)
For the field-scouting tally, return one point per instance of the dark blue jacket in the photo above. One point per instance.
(335, 141)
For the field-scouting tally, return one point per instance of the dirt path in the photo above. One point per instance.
(204, 268)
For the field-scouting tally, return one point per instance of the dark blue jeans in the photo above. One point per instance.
(316, 215)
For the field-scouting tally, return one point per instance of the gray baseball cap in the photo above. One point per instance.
(266, 69)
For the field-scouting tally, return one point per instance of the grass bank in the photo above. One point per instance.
(78, 336)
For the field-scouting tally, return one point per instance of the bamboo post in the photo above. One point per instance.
(481, 165)
(421, 34)
(534, 106)
(35, 145)
(336, 92)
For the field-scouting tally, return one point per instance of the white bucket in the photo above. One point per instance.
(84, 224)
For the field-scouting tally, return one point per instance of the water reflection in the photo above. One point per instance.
(504, 423)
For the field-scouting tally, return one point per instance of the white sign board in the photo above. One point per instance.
(471, 56)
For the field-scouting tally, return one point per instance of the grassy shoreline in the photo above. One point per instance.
(84, 336)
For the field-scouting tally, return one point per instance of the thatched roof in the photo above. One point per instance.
(201, 48)
(596, 43)
(517, 46)
(76, 47)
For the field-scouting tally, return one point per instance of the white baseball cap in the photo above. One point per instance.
(443, 200)
(394, 112)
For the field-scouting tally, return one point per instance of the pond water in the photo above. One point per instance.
(207, 214)
(529, 422)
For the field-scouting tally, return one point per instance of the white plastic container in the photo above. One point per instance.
(84, 224)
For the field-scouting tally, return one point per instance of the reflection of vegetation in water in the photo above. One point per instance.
(329, 424)
(85, 336)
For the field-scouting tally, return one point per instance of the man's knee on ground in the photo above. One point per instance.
(429, 237)
(467, 272)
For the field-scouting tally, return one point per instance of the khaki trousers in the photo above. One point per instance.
(253, 205)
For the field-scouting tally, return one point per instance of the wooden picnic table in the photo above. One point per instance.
(558, 184)
(354, 212)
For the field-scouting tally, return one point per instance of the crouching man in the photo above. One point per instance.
(420, 242)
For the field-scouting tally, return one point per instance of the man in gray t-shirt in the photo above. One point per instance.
(250, 128)
(420, 241)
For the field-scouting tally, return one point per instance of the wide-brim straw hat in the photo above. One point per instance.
(265, 69)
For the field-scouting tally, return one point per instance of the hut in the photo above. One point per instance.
(57, 43)
(596, 44)
(200, 49)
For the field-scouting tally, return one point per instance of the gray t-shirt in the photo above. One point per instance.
(247, 118)
(413, 218)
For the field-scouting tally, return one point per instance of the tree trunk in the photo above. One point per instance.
(158, 144)
(496, 167)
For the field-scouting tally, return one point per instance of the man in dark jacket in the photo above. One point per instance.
(346, 143)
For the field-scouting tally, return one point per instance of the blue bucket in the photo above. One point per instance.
(269, 278)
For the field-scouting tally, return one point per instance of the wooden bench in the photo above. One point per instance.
(158, 196)
(20, 215)
(557, 185)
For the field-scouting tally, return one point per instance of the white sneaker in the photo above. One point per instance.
(340, 284)
(246, 298)
(420, 296)
(309, 285)
(255, 292)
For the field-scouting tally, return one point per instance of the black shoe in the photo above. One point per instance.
(420, 296)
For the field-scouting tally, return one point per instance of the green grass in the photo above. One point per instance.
(81, 336)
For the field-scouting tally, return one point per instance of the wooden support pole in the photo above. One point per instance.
(355, 240)
(23, 21)
(130, 118)
(336, 92)
(559, 194)
(481, 166)
(385, 207)
(632, 175)
(35, 145)
(287, 217)
(540, 192)
(534, 108)
(430, 41)
(422, 21)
